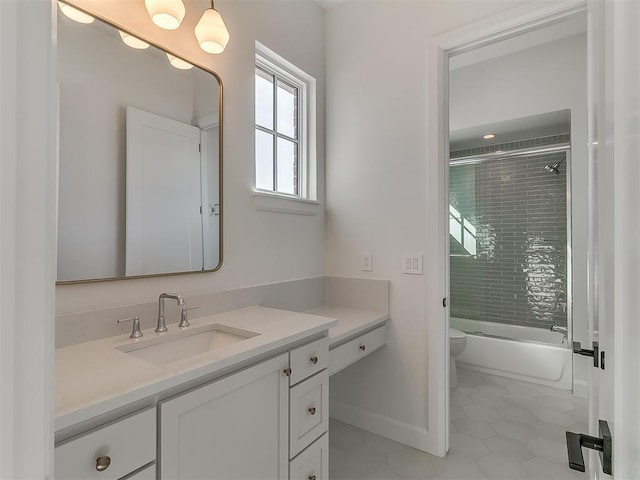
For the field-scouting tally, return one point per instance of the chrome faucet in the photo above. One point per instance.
(557, 328)
(162, 326)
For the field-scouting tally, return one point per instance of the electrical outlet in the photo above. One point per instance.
(366, 262)
(412, 263)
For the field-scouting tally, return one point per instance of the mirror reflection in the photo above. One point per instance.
(139, 148)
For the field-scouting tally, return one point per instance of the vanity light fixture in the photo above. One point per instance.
(489, 136)
(133, 42)
(167, 14)
(178, 62)
(211, 32)
(75, 14)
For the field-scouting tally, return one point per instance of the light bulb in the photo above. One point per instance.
(167, 14)
(133, 42)
(211, 32)
(75, 14)
(178, 62)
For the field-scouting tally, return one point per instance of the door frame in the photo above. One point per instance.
(497, 27)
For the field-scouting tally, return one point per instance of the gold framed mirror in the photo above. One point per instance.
(140, 156)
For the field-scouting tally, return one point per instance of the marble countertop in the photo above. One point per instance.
(351, 322)
(95, 378)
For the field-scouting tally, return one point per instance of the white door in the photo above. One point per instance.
(210, 196)
(164, 223)
(614, 263)
(233, 428)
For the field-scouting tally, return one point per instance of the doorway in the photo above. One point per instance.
(530, 33)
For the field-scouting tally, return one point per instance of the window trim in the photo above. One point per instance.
(273, 63)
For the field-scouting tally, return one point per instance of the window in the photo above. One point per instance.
(282, 134)
(462, 230)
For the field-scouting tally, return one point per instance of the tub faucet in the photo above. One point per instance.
(557, 328)
(162, 326)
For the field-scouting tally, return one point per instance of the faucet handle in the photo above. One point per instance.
(184, 321)
(135, 333)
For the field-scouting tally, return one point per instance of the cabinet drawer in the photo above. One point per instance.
(309, 417)
(313, 463)
(308, 360)
(352, 351)
(128, 444)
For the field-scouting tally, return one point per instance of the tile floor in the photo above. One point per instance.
(500, 429)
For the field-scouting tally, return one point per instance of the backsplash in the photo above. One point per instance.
(295, 295)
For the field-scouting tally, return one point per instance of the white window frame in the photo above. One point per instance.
(274, 64)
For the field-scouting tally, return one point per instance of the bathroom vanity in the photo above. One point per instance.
(253, 404)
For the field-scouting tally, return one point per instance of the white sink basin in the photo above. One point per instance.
(171, 347)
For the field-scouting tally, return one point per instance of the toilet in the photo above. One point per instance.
(458, 342)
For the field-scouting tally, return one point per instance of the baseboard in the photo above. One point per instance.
(580, 388)
(402, 432)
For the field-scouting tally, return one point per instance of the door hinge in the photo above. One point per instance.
(602, 444)
(577, 349)
(444, 302)
(200, 147)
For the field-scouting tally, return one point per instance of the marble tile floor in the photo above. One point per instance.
(500, 429)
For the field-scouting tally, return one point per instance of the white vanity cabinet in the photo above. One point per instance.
(260, 413)
(236, 427)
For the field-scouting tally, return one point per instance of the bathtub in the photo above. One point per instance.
(523, 353)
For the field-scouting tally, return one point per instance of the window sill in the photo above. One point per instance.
(272, 202)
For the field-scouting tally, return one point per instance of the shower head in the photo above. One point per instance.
(554, 168)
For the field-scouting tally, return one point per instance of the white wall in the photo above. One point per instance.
(378, 186)
(545, 78)
(258, 247)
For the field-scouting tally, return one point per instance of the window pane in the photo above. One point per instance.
(264, 160)
(264, 99)
(455, 229)
(287, 167)
(287, 110)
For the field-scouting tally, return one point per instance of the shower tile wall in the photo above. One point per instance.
(518, 209)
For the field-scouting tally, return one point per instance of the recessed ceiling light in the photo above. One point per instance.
(489, 136)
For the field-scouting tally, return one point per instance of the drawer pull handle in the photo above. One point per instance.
(311, 477)
(312, 410)
(102, 463)
(287, 372)
(314, 360)
(363, 347)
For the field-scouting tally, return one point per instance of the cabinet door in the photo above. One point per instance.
(233, 428)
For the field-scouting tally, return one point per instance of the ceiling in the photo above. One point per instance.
(552, 123)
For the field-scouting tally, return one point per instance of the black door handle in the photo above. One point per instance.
(577, 349)
(603, 444)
